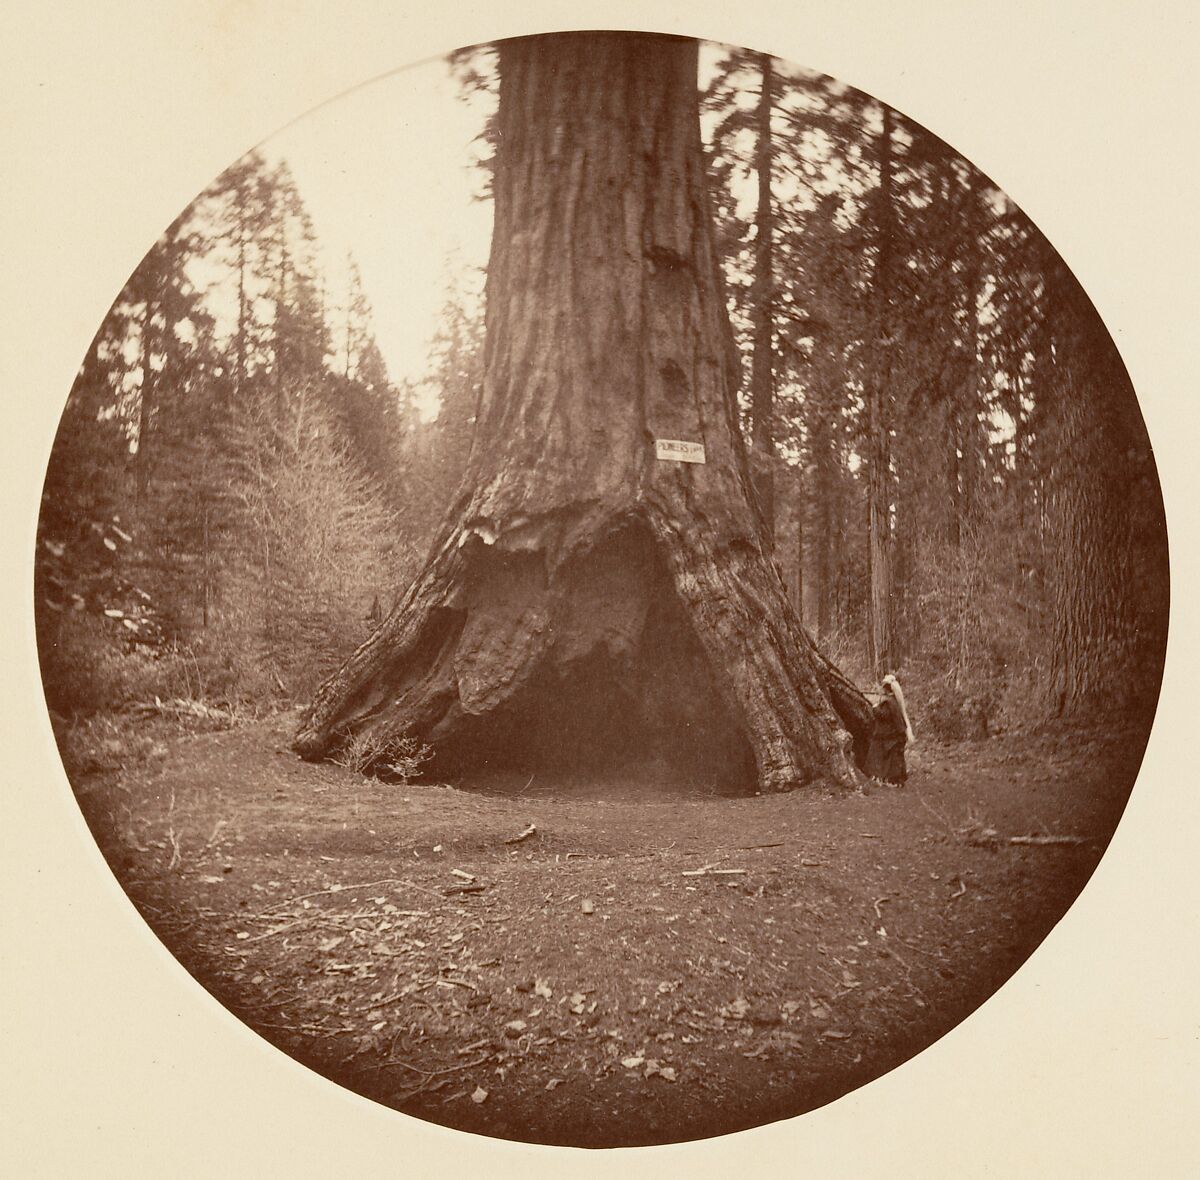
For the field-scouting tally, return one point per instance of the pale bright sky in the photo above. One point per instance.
(385, 172)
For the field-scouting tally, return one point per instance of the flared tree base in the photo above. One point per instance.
(511, 654)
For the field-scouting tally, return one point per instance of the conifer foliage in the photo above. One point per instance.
(226, 493)
(954, 476)
(951, 429)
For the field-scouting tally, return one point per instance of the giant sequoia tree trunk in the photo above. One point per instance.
(585, 599)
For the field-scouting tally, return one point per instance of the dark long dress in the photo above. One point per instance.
(885, 754)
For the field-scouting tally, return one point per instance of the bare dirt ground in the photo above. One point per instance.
(588, 984)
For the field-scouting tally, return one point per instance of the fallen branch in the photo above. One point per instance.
(1042, 840)
(529, 831)
(990, 838)
(179, 707)
(713, 871)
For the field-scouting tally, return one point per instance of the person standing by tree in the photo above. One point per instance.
(891, 731)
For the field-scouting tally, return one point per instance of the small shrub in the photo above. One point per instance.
(100, 744)
(90, 666)
(395, 759)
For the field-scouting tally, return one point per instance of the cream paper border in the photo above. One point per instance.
(115, 1062)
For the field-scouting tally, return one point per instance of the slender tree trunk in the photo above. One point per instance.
(903, 540)
(762, 374)
(952, 508)
(879, 421)
(822, 588)
(148, 402)
(243, 316)
(842, 605)
(585, 596)
(281, 343)
(800, 508)
(967, 420)
(206, 559)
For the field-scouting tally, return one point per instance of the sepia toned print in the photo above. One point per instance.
(509, 770)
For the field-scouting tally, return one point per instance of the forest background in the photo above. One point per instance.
(958, 480)
(1043, 68)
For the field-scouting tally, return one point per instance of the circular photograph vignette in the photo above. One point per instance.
(604, 591)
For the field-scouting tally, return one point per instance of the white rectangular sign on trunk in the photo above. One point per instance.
(679, 452)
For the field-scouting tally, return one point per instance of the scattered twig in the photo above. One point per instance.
(753, 847)
(912, 946)
(529, 831)
(268, 1002)
(432, 1073)
(350, 889)
(403, 993)
(908, 971)
(456, 983)
(935, 813)
(962, 888)
(473, 1046)
(215, 833)
(525, 787)
(277, 930)
(877, 903)
(176, 855)
(713, 871)
(311, 1029)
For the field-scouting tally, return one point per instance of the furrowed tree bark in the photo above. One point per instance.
(762, 374)
(584, 597)
(1104, 658)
